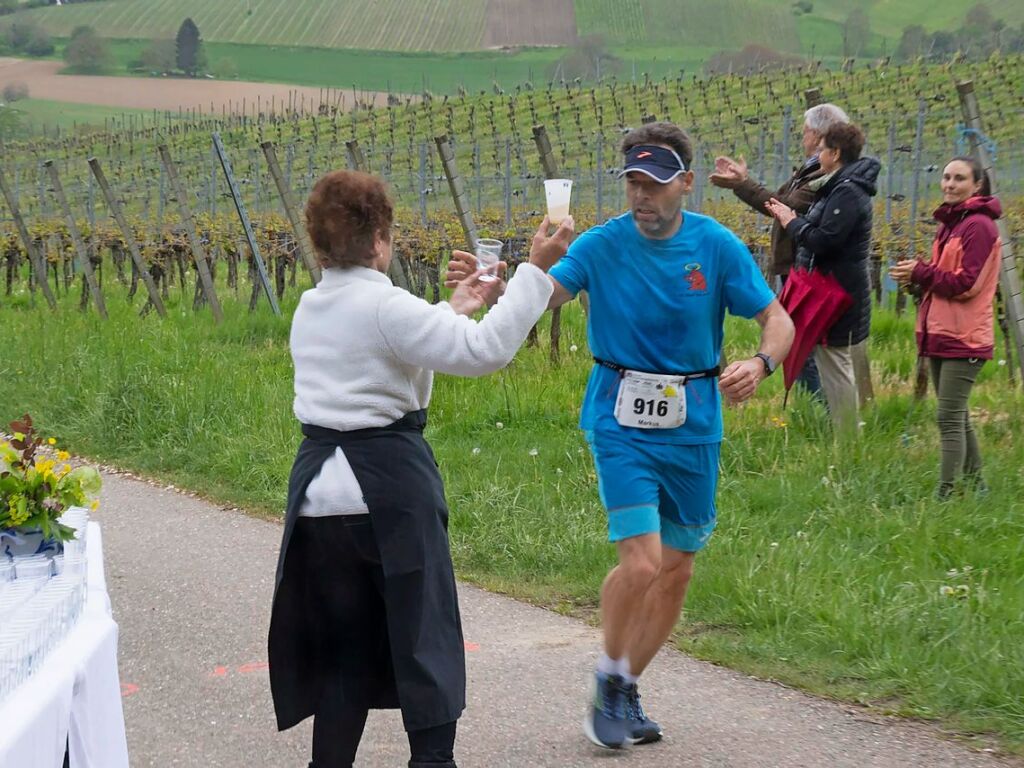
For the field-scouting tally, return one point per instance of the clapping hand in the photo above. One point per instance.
(729, 173)
(782, 212)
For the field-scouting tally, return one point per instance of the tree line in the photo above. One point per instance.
(89, 53)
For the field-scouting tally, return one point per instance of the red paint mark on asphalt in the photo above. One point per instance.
(471, 646)
(253, 666)
(219, 672)
(128, 689)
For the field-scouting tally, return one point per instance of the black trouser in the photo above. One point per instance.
(342, 551)
(336, 737)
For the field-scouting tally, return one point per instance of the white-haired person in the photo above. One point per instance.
(798, 192)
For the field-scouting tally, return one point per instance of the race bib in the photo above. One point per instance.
(651, 401)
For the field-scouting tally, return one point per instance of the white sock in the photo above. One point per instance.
(627, 675)
(606, 665)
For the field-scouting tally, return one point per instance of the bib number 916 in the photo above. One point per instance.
(643, 407)
(651, 400)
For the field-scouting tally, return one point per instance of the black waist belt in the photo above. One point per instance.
(710, 373)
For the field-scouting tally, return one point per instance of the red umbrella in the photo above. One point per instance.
(814, 301)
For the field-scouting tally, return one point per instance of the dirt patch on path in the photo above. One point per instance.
(170, 94)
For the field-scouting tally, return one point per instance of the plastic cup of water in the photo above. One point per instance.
(33, 569)
(558, 192)
(488, 254)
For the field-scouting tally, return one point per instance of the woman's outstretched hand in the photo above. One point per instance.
(545, 251)
(472, 294)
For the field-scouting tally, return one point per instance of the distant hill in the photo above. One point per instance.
(467, 25)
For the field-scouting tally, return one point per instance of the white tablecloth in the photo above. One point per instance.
(75, 699)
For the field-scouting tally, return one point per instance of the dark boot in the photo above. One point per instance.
(415, 764)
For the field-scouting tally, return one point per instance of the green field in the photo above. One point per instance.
(436, 25)
(889, 17)
(365, 69)
(409, 72)
(459, 25)
(689, 22)
(832, 568)
(42, 116)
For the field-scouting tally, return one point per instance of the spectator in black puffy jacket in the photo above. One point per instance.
(834, 236)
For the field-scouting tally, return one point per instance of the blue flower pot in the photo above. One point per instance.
(14, 541)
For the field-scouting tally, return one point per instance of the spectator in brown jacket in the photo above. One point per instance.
(798, 193)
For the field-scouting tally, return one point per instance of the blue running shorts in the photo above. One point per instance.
(657, 488)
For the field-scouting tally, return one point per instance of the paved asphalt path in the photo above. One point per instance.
(191, 585)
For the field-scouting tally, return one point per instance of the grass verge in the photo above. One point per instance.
(832, 568)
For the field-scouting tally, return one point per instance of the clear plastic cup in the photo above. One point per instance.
(558, 192)
(33, 569)
(74, 547)
(488, 254)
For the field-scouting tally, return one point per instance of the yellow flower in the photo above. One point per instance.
(64, 470)
(51, 440)
(95, 505)
(63, 456)
(18, 509)
(45, 466)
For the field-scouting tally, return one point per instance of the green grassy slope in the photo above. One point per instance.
(440, 25)
(458, 25)
(37, 113)
(889, 17)
(689, 22)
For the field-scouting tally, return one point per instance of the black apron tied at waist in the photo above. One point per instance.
(409, 550)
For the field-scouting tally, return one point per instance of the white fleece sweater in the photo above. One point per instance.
(365, 351)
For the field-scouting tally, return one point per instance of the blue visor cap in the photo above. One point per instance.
(660, 163)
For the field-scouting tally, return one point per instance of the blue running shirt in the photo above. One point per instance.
(659, 305)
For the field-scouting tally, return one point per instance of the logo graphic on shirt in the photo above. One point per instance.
(695, 277)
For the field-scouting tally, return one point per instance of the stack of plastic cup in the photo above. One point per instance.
(41, 599)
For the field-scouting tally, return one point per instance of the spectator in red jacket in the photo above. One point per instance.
(954, 320)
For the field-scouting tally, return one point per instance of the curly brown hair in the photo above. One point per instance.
(346, 213)
(847, 138)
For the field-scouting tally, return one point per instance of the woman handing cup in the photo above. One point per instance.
(365, 612)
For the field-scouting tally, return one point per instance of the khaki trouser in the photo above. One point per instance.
(953, 381)
(838, 382)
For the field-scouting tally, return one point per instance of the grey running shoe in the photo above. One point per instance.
(605, 723)
(640, 729)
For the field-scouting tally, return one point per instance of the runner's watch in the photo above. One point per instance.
(769, 364)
